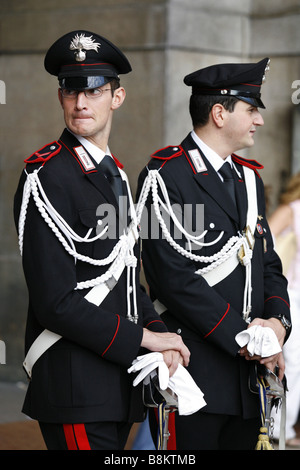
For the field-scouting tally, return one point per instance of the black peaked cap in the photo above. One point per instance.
(241, 80)
(85, 54)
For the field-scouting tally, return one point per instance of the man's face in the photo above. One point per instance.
(241, 125)
(91, 117)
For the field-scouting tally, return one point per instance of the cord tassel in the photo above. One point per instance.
(263, 438)
(263, 442)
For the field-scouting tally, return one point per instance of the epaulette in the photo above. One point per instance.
(253, 164)
(45, 153)
(167, 153)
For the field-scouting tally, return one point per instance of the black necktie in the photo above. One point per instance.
(112, 174)
(226, 173)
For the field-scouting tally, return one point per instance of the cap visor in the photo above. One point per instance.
(256, 102)
(84, 83)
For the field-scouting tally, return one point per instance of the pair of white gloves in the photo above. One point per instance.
(190, 398)
(261, 341)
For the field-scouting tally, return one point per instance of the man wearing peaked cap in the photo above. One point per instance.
(82, 60)
(88, 316)
(213, 271)
(240, 80)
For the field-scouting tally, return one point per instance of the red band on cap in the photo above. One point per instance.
(87, 65)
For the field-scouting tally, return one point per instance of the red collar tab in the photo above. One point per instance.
(45, 153)
(253, 164)
(167, 153)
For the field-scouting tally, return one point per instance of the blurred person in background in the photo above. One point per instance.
(285, 222)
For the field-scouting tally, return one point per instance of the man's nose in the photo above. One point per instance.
(81, 100)
(259, 119)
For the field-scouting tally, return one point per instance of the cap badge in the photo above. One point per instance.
(266, 70)
(81, 44)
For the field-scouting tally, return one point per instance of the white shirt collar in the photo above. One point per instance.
(214, 159)
(93, 150)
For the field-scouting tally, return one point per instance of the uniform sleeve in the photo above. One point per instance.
(151, 319)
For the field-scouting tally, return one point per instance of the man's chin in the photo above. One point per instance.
(81, 129)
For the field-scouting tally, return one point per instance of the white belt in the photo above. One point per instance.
(212, 277)
(222, 271)
(96, 296)
(47, 338)
(252, 198)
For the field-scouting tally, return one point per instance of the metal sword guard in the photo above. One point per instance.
(275, 395)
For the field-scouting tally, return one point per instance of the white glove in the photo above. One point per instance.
(260, 340)
(147, 364)
(190, 397)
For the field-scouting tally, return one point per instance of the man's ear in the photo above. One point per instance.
(218, 114)
(118, 98)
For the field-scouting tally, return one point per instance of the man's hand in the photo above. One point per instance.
(272, 361)
(168, 344)
(172, 359)
(273, 323)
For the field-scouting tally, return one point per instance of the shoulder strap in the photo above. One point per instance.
(45, 153)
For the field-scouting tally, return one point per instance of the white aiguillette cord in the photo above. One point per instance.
(221, 264)
(100, 285)
(122, 256)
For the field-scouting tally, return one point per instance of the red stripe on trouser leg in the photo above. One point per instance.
(76, 437)
(69, 435)
(81, 437)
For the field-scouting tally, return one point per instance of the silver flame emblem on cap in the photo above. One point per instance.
(266, 71)
(81, 43)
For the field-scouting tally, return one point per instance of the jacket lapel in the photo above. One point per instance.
(103, 186)
(210, 181)
(212, 184)
(89, 167)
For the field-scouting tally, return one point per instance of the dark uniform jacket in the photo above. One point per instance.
(209, 317)
(83, 377)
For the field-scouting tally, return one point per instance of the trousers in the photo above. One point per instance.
(206, 431)
(85, 436)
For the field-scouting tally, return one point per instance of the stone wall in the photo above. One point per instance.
(164, 40)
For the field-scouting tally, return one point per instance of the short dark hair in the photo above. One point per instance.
(201, 105)
(115, 83)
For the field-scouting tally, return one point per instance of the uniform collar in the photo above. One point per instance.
(214, 159)
(97, 153)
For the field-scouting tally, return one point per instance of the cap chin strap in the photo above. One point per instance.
(251, 98)
(225, 92)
